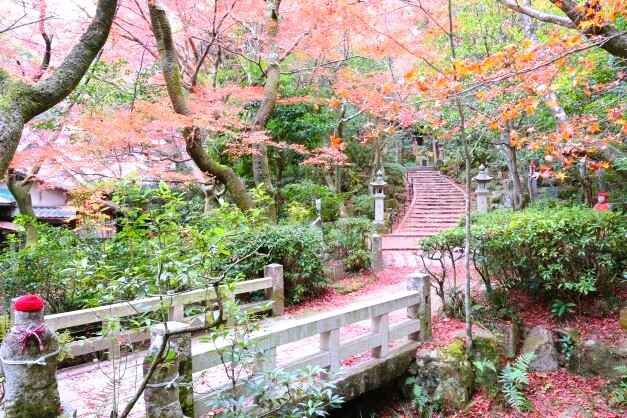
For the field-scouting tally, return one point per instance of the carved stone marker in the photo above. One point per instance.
(29, 360)
(377, 252)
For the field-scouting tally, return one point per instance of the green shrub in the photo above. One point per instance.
(363, 206)
(296, 212)
(306, 193)
(41, 269)
(395, 174)
(564, 253)
(347, 239)
(299, 248)
(163, 245)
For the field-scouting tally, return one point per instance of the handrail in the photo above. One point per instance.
(332, 348)
(112, 335)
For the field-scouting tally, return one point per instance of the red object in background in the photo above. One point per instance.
(603, 206)
(29, 303)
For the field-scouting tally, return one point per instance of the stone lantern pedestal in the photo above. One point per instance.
(482, 191)
(378, 187)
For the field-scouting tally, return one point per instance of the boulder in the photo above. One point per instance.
(446, 375)
(623, 318)
(540, 341)
(597, 359)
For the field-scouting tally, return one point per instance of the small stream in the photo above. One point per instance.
(385, 401)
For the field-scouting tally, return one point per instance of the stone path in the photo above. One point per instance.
(438, 204)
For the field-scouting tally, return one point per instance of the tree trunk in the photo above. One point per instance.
(613, 40)
(20, 189)
(518, 196)
(261, 166)
(11, 126)
(194, 136)
(468, 164)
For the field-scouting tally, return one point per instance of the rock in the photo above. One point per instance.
(623, 318)
(567, 341)
(594, 358)
(446, 375)
(540, 341)
(572, 332)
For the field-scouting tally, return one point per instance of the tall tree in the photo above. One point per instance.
(21, 101)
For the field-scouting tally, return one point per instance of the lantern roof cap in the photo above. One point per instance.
(483, 176)
(379, 180)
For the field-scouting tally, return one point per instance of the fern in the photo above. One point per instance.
(618, 390)
(513, 379)
(421, 401)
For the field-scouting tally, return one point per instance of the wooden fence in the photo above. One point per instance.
(112, 335)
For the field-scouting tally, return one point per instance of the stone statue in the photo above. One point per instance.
(29, 356)
(603, 204)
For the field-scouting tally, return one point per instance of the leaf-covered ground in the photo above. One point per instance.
(557, 394)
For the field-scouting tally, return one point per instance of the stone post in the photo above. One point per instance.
(482, 192)
(161, 395)
(183, 344)
(377, 252)
(422, 311)
(29, 360)
(276, 294)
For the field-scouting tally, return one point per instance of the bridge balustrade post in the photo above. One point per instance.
(277, 292)
(420, 282)
(330, 341)
(110, 328)
(176, 312)
(381, 325)
(265, 361)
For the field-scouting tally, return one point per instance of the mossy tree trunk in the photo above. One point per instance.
(194, 136)
(20, 189)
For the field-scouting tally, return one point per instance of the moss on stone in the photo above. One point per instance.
(454, 351)
(486, 348)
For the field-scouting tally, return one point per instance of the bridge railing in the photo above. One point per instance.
(333, 348)
(112, 336)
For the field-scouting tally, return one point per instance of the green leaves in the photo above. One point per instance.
(561, 252)
(513, 379)
(559, 308)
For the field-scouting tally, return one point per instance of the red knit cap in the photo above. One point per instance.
(604, 195)
(29, 303)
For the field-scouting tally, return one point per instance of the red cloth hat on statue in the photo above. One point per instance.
(605, 195)
(29, 303)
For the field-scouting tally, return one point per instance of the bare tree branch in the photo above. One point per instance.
(537, 14)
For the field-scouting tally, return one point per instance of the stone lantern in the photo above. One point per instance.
(378, 190)
(483, 178)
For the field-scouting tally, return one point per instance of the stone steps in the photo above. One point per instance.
(437, 205)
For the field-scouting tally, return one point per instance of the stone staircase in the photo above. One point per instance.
(437, 205)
